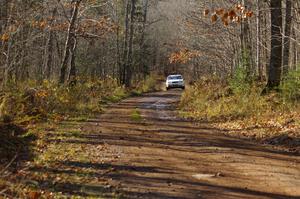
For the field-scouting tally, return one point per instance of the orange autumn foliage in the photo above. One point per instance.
(183, 56)
(234, 14)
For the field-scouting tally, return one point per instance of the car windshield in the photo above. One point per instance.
(175, 77)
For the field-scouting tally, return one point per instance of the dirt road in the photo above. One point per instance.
(162, 156)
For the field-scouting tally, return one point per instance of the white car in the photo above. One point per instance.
(175, 81)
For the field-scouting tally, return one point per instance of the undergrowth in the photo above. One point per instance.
(34, 100)
(217, 101)
(136, 115)
(34, 112)
(238, 106)
(149, 84)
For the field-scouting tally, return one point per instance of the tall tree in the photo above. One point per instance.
(274, 76)
(8, 47)
(49, 46)
(258, 40)
(70, 42)
(130, 45)
(123, 68)
(145, 68)
(287, 35)
(246, 42)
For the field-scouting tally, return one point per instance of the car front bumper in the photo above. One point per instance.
(175, 85)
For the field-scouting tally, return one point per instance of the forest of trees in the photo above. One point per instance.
(63, 62)
(266, 44)
(60, 40)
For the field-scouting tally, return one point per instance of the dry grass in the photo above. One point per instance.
(264, 118)
(149, 84)
(41, 99)
(51, 116)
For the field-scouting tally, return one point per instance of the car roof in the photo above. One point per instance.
(174, 75)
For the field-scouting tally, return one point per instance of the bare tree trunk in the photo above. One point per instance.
(119, 62)
(276, 45)
(130, 46)
(49, 48)
(118, 56)
(295, 49)
(265, 36)
(125, 52)
(258, 40)
(3, 19)
(288, 25)
(145, 68)
(246, 43)
(72, 73)
(7, 70)
(69, 42)
(296, 36)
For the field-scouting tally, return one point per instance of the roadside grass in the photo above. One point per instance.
(268, 118)
(59, 154)
(40, 100)
(136, 115)
(149, 84)
(117, 95)
(62, 165)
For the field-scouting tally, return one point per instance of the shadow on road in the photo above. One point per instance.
(159, 157)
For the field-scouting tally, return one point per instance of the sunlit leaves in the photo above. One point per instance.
(249, 14)
(206, 12)
(42, 94)
(100, 26)
(34, 195)
(96, 26)
(6, 34)
(220, 11)
(41, 24)
(214, 18)
(4, 37)
(183, 56)
(232, 15)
